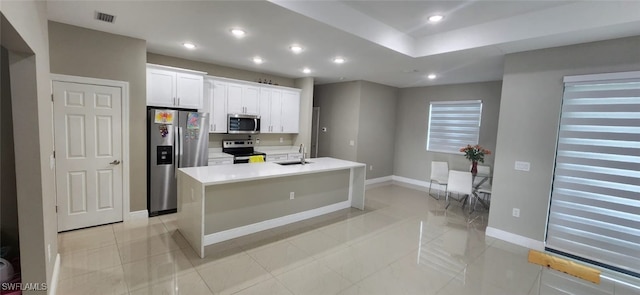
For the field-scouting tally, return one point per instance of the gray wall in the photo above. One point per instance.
(412, 160)
(361, 111)
(24, 30)
(377, 126)
(88, 53)
(529, 116)
(339, 112)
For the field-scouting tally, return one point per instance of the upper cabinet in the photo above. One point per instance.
(278, 107)
(279, 110)
(173, 87)
(242, 99)
(216, 104)
(290, 112)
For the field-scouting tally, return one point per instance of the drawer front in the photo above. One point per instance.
(215, 162)
(276, 158)
(294, 156)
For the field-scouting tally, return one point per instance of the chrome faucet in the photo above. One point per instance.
(302, 160)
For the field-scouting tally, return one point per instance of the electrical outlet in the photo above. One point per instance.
(370, 167)
(257, 140)
(292, 195)
(522, 166)
(281, 139)
(516, 212)
(352, 143)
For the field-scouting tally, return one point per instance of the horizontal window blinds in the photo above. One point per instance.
(595, 198)
(453, 125)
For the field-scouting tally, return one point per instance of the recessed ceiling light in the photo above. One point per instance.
(436, 18)
(432, 76)
(306, 70)
(239, 33)
(258, 60)
(189, 45)
(339, 60)
(296, 48)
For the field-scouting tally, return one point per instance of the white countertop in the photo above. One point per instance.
(212, 175)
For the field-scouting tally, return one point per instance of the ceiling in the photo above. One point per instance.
(387, 42)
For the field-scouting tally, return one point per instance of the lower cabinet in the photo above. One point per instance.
(220, 161)
(277, 158)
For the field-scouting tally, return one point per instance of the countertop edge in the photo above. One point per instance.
(341, 165)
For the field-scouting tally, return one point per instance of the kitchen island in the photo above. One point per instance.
(218, 203)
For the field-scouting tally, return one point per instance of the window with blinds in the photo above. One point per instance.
(453, 125)
(595, 197)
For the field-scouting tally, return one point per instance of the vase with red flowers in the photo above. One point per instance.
(475, 154)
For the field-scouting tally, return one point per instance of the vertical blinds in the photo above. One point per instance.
(453, 125)
(595, 198)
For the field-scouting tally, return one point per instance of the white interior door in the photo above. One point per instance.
(88, 144)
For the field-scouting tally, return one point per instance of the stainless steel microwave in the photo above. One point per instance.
(243, 124)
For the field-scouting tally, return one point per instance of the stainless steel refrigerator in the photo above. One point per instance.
(175, 139)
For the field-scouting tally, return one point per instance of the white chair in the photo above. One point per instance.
(459, 182)
(439, 175)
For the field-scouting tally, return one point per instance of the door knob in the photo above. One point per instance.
(115, 162)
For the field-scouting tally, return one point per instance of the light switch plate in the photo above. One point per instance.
(352, 143)
(522, 166)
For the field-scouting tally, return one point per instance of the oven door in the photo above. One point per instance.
(243, 124)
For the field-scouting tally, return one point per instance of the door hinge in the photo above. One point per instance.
(56, 208)
(54, 154)
(51, 96)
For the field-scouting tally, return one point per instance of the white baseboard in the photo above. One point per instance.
(142, 214)
(375, 182)
(419, 183)
(515, 239)
(53, 287)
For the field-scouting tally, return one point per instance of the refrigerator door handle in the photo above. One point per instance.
(175, 152)
(180, 146)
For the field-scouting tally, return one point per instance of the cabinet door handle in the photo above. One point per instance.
(178, 101)
(174, 101)
(281, 128)
(214, 127)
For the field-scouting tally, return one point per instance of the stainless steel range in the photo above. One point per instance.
(241, 150)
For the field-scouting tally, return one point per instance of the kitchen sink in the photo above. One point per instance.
(293, 163)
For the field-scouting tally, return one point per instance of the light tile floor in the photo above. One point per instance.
(403, 243)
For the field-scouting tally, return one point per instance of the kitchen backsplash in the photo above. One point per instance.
(215, 140)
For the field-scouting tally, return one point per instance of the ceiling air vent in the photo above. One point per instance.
(101, 16)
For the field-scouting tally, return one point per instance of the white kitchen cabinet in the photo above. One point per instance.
(277, 158)
(173, 87)
(290, 112)
(242, 99)
(216, 102)
(270, 110)
(278, 107)
(279, 110)
(220, 161)
(294, 156)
